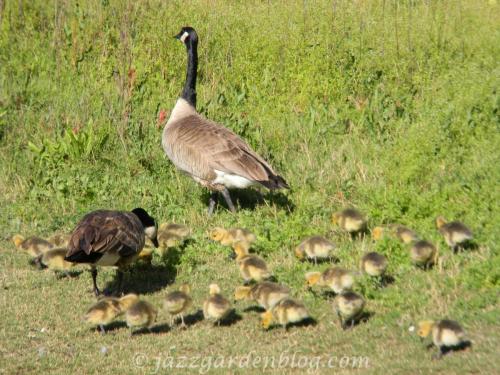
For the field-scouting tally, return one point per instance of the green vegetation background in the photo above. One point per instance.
(390, 106)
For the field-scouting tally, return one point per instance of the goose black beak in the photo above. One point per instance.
(155, 242)
(178, 36)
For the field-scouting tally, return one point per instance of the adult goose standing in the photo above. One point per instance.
(211, 154)
(110, 238)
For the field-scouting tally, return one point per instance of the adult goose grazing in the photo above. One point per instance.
(110, 238)
(211, 154)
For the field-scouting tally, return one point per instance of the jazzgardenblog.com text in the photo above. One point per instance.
(202, 364)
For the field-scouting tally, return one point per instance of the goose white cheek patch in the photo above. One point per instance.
(184, 36)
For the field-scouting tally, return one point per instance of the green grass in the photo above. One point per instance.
(81, 87)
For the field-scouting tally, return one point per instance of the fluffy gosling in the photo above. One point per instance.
(423, 254)
(171, 235)
(146, 255)
(53, 259)
(140, 314)
(216, 307)
(446, 334)
(455, 233)
(287, 311)
(337, 279)
(349, 220)
(314, 248)
(348, 307)
(176, 303)
(374, 264)
(180, 230)
(228, 237)
(108, 309)
(59, 239)
(251, 266)
(402, 233)
(267, 294)
(34, 246)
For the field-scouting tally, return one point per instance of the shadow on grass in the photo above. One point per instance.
(232, 318)
(255, 309)
(249, 199)
(192, 319)
(113, 326)
(303, 323)
(363, 318)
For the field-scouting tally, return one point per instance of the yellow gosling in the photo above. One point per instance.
(127, 301)
(228, 237)
(53, 259)
(251, 267)
(286, 312)
(349, 220)
(446, 334)
(348, 307)
(216, 307)
(405, 235)
(267, 294)
(423, 254)
(103, 312)
(374, 264)
(337, 279)
(140, 314)
(179, 230)
(34, 246)
(177, 303)
(59, 239)
(146, 255)
(314, 248)
(455, 233)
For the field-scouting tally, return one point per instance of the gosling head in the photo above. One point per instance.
(240, 250)
(335, 218)
(312, 278)
(217, 234)
(185, 288)
(242, 292)
(17, 239)
(425, 328)
(377, 233)
(266, 319)
(214, 289)
(300, 253)
(148, 223)
(440, 221)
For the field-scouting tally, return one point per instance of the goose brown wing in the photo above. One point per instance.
(105, 231)
(200, 146)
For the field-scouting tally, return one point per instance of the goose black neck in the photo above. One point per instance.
(189, 91)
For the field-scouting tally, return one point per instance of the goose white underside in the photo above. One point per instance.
(108, 259)
(232, 181)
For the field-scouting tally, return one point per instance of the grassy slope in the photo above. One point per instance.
(287, 77)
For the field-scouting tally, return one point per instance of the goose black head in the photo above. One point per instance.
(148, 223)
(187, 35)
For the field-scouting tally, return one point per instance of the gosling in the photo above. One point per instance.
(267, 294)
(228, 237)
(34, 246)
(455, 233)
(349, 308)
(177, 303)
(423, 254)
(314, 248)
(107, 309)
(338, 279)
(59, 239)
(350, 220)
(402, 233)
(140, 314)
(216, 307)
(374, 264)
(53, 259)
(251, 266)
(446, 335)
(171, 235)
(286, 312)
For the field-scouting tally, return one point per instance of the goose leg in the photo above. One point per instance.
(211, 203)
(93, 272)
(227, 197)
(120, 282)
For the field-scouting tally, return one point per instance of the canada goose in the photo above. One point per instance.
(140, 314)
(455, 233)
(251, 266)
(350, 220)
(285, 312)
(349, 307)
(110, 238)
(267, 294)
(228, 237)
(402, 233)
(211, 154)
(446, 334)
(34, 246)
(336, 278)
(374, 264)
(423, 253)
(216, 307)
(107, 309)
(59, 239)
(314, 248)
(53, 259)
(177, 302)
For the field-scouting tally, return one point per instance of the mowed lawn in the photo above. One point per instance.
(388, 106)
